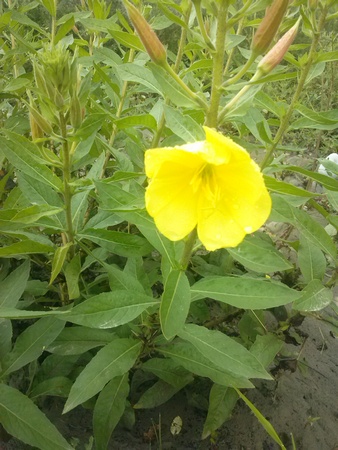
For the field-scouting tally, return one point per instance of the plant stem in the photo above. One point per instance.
(183, 38)
(118, 114)
(243, 70)
(191, 94)
(300, 88)
(67, 193)
(202, 26)
(218, 67)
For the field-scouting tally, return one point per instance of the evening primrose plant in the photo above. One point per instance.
(149, 238)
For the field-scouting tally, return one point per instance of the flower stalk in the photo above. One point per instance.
(302, 79)
(218, 67)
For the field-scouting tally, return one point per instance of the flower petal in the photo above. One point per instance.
(154, 158)
(171, 199)
(224, 148)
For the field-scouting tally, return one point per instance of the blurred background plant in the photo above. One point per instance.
(89, 287)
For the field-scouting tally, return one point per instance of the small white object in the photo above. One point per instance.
(176, 426)
(333, 157)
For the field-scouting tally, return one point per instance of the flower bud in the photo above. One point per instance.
(269, 26)
(151, 42)
(277, 53)
(36, 131)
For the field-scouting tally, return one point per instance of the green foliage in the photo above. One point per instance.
(95, 293)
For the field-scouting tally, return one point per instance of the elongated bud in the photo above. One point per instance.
(149, 39)
(277, 53)
(269, 26)
(35, 129)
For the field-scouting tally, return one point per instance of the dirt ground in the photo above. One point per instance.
(302, 400)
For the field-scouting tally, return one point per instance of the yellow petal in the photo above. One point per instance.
(171, 199)
(155, 158)
(224, 147)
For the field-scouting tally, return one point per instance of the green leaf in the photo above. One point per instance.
(34, 213)
(50, 5)
(171, 88)
(259, 255)
(37, 192)
(119, 279)
(187, 356)
(79, 209)
(127, 39)
(6, 333)
(122, 244)
(167, 370)
(183, 126)
(23, 420)
(72, 274)
(78, 340)
(175, 303)
(224, 352)
(13, 286)
(24, 248)
(31, 343)
(162, 244)
(159, 393)
(110, 309)
(315, 297)
(108, 410)
(142, 120)
(222, 401)
(311, 260)
(286, 188)
(314, 232)
(139, 74)
(57, 386)
(242, 292)
(58, 260)
(332, 197)
(327, 182)
(327, 56)
(113, 360)
(12, 313)
(92, 123)
(20, 151)
(265, 348)
(64, 29)
(263, 421)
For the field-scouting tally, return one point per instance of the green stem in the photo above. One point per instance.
(300, 88)
(183, 38)
(202, 26)
(53, 31)
(218, 67)
(118, 114)
(67, 193)
(189, 245)
(239, 94)
(243, 71)
(191, 94)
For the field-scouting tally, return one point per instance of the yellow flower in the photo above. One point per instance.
(211, 184)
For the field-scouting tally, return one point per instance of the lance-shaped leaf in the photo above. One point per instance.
(187, 356)
(17, 152)
(108, 410)
(31, 343)
(259, 255)
(311, 260)
(113, 360)
(224, 352)
(13, 286)
(22, 418)
(246, 293)
(175, 303)
(110, 309)
(315, 297)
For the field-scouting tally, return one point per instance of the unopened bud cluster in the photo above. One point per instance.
(58, 84)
